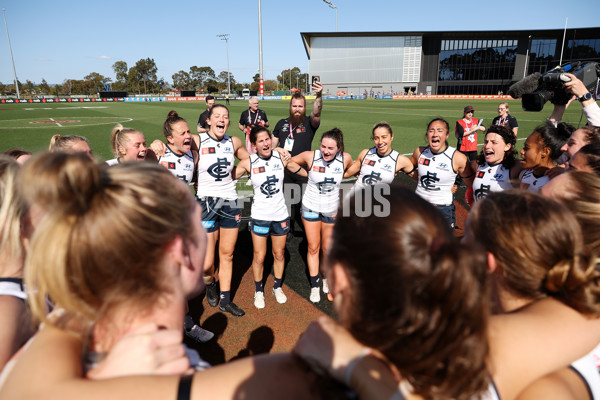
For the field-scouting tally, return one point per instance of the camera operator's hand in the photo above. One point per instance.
(575, 86)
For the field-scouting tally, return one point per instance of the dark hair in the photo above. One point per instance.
(209, 97)
(591, 153)
(297, 95)
(255, 131)
(382, 124)
(429, 312)
(591, 134)
(549, 260)
(212, 110)
(509, 138)
(438, 119)
(554, 137)
(336, 135)
(172, 118)
(16, 153)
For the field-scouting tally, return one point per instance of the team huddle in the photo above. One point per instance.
(511, 311)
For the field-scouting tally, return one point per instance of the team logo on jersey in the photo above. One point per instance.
(208, 150)
(167, 164)
(481, 192)
(372, 179)
(269, 187)
(219, 170)
(320, 170)
(480, 174)
(424, 161)
(370, 163)
(328, 185)
(429, 180)
(258, 170)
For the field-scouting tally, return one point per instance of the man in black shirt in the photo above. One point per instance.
(202, 125)
(250, 118)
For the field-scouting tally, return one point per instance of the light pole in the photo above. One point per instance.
(331, 5)
(261, 82)
(11, 54)
(225, 37)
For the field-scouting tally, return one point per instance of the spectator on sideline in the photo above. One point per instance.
(505, 119)
(465, 131)
(203, 119)
(250, 118)
(70, 144)
(295, 134)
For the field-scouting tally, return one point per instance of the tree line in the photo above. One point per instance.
(142, 78)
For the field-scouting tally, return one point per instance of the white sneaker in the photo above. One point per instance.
(315, 295)
(325, 286)
(279, 295)
(259, 300)
(199, 334)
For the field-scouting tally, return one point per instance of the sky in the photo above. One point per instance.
(68, 39)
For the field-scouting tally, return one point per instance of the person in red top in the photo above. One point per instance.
(466, 133)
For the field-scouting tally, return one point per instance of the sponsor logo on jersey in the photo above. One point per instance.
(168, 165)
(498, 177)
(284, 224)
(258, 170)
(320, 170)
(370, 163)
(480, 174)
(424, 161)
(260, 229)
(387, 167)
(443, 166)
(208, 150)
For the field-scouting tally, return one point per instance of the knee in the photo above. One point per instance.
(314, 249)
(279, 256)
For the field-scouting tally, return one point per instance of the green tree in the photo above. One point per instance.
(256, 78)
(212, 86)
(94, 83)
(181, 80)
(144, 72)
(200, 75)
(120, 68)
(44, 87)
(222, 79)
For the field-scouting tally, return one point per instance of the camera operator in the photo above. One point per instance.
(591, 110)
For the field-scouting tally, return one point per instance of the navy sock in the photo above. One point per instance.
(225, 297)
(277, 283)
(258, 286)
(314, 281)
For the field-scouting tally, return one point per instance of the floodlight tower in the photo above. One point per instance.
(331, 5)
(225, 37)
(261, 87)
(11, 54)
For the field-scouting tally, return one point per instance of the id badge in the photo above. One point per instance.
(289, 144)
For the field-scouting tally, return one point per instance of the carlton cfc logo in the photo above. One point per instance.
(219, 170)
(269, 187)
(372, 179)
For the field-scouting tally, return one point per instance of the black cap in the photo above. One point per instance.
(468, 109)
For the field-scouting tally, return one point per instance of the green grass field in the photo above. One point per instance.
(20, 123)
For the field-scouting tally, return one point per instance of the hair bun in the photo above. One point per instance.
(173, 114)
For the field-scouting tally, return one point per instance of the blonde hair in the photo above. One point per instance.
(64, 143)
(119, 136)
(106, 245)
(11, 210)
(505, 105)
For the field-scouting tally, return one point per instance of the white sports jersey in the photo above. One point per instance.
(376, 169)
(268, 203)
(215, 166)
(531, 182)
(436, 176)
(586, 369)
(12, 287)
(114, 161)
(322, 193)
(182, 166)
(490, 178)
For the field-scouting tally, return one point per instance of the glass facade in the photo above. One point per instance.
(583, 49)
(474, 60)
(542, 55)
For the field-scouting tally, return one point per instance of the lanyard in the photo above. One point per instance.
(250, 117)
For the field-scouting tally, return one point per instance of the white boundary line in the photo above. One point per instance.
(52, 119)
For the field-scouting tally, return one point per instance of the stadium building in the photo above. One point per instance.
(467, 62)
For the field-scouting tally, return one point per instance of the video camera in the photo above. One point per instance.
(536, 89)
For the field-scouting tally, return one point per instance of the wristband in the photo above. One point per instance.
(365, 352)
